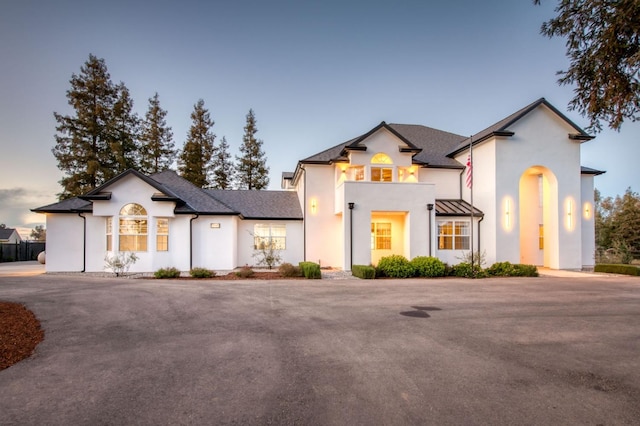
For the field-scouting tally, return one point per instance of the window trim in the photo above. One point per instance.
(129, 221)
(109, 233)
(162, 234)
(454, 235)
(381, 236)
(273, 239)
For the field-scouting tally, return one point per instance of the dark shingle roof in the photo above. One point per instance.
(501, 127)
(253, 204)
(434, 145)
(195, 199)
(5, 233)
(70, 205)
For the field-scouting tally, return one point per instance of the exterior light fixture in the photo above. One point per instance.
(587, 211)
(314, 205)
(507, 213)
(569, 213)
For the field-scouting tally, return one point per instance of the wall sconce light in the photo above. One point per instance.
(569, 212)
(411, 171)
(344, 171)
(507, 214)
(587, 211)
(351, 206)
(314, 205)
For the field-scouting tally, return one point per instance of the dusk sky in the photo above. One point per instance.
(316, 73)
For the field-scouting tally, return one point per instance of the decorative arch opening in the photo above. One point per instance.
(133, 228)
(538, 217)
(381, 158)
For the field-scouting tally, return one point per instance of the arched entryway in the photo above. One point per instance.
(538, 195)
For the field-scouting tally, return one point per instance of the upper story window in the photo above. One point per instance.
(356, 173)
(378, 173)
(133, 228)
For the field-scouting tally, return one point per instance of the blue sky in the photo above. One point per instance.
(316, 73)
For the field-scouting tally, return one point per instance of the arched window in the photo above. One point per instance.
(381, 158)
(381, 174)
(133, 228)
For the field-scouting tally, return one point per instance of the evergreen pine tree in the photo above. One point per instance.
(83, 141)
(251, 169)
(125, 127)
(223, 170)
(194, 162)
(157, 151)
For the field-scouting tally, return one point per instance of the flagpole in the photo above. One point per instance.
(471, 198)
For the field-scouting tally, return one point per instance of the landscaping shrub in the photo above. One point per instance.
(427, 266)
(289, 270)
(310, 270)
(464, 270)
(245, 272)
(507, 269)
(617, 269)
(202, 273)
(395, 266)
(365, 272)
(167, 273)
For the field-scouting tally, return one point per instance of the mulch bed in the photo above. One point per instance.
(20, 333)
(231, 276)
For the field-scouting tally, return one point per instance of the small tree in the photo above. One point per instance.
(265, 252)
(120, 263)
(194, 162)
(39, 233)
(125, 132)
(251, 168)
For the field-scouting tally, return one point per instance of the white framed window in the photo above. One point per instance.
(381, 174)
(453, 235)
(380, 236)
(356, 173)
(109, 232)
(133, 229)
(270, 235)
(162, 234)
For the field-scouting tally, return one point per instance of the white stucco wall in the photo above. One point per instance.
(65, 242)
(294, 242)
(588, 222)
(447, 181)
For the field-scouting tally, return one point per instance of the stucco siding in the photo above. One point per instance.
(65, 243)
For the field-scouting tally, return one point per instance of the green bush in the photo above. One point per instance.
(310, 270)
(427, 266)
(365, 272)
(167, 273)
(202, 273)
(289, 270)
(245, 272)
(617, 269)
(507, 269)
(464, 270)
(395, 266)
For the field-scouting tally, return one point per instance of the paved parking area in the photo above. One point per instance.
(494, 351)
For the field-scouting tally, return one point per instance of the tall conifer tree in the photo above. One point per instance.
(157, 149)
(223, 169)
(251, 167)
(125, 128)
(83, 141)
(194, 163)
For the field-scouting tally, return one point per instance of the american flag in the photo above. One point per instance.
(469, 172)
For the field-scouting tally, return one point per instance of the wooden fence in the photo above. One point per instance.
(25, 250)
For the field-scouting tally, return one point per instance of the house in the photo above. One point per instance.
(396, 189)
(9, 236)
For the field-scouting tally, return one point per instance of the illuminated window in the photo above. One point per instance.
(541, 237)
(269, 236)
(133, 228)
(453, 235)
(380, 236)
(381, 158)
(381, 174)
(356, 172)
(162, 234)
(109, 233)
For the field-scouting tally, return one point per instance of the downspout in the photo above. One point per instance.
(304, 215)
(191, 240)
(84, 242)
(481, 219)
(351, 206)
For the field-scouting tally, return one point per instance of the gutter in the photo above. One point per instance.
(191, 240)
(481, 219)
(84, 242)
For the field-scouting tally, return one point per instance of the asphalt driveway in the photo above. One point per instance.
(494, 351)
